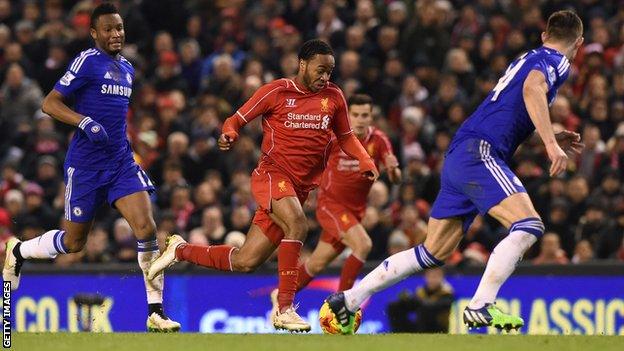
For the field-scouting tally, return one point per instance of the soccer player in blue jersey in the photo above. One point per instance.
(99, 165)
(476, 179)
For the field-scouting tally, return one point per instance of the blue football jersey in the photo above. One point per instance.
(502, 118)
(101, 86)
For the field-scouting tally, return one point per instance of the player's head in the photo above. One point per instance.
(360, 113)
(316, 62)
(107, 29)
(564, 28)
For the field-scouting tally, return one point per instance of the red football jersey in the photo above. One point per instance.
(342, 180)
(297, 127)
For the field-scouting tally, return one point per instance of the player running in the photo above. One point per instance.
(99, 165)
(299, 118)
(476, 179)
(342, 198)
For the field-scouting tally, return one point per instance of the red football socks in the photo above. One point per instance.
(304, 278)
(217, 257)
(287, 261)
(350, 269)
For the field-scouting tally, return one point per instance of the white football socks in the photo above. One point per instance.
(391, 271)
(48, 245)
(147, 252)
(501, 264)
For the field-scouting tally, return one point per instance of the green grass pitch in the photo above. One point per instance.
(255, 342)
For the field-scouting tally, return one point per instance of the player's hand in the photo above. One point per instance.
(369, 170)
(94, 131)
(558, 157)
(392, 166)
(570, 142)
(394, 175)
(226, 140)
(391, 161)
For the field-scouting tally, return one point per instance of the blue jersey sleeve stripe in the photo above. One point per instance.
(78, 58)
(80, 61)
(564, 69)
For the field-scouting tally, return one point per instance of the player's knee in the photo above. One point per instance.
(363, 247)
(298, 227)
(315, 267)
(245, 265)
(531, 225)
(433, 256)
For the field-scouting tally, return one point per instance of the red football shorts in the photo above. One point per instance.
(270, 183)
(335, 219)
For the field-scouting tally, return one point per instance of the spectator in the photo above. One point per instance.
(96, 248)
(583, 252)
(125, 242)
(427, 310)
(429, 65)
(212, 230)
(550, 250)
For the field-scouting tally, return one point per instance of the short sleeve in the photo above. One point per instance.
(75, 77)
(547, 70)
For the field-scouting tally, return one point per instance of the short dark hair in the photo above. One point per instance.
(360, 99)
(564, 25)
(105, 8)
(314, 47)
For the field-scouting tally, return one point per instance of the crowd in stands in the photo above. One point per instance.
(426, 63)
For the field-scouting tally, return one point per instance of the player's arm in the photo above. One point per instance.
(257, 105)
(390, 160)
(534, 92)
(54, 104)
(350, 144)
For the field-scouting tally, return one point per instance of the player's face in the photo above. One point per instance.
(361, 118)
(317, 70)
(109, 33)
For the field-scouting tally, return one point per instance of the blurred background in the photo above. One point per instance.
(426, 63)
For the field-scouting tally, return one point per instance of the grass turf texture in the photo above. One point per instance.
(255, 342)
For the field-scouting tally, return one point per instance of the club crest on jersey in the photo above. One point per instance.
(129, 78)
(344, 218)
(291, 102)
(325, 105)
(67, 78)
(282, 186)
(77, 211)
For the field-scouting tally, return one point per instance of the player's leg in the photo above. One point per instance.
(360, 244)
(324, 253)
(82, 197)
(288, 213)
(517, 213)
(329, 245)
(129, 192)
(136, 208)
(501, 194)
(47, 246)
(261, 241)
(443, 236)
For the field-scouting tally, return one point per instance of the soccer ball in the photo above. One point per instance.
(329, 323)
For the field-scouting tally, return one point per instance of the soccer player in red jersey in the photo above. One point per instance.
(301, 119)
(342, 199)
